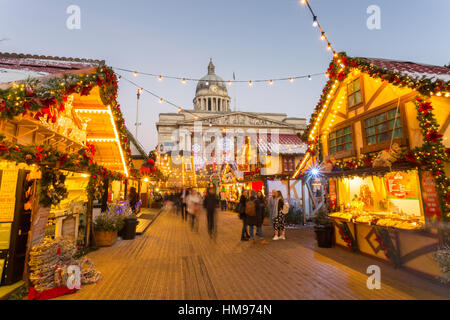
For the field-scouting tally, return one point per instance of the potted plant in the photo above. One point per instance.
(324, 229)
(106, 228)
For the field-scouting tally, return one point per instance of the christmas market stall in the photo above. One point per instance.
(62, 142)
(379, 142)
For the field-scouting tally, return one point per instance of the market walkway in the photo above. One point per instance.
(170, 262)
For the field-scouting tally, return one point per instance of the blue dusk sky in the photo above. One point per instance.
(253, 38)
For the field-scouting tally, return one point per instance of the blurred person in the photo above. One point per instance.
(272, 204)
(134, 200)
(258, 219)
(184, 195)
(210, 203)
(280, 219)
(193, 203)
(223, 201)
(241, 209)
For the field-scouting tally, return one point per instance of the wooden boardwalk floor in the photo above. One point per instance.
(169, 261)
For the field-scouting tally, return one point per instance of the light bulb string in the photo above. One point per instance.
(319, 26)
(161, 99)
(162, 76)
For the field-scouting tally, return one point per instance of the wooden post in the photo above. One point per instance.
(303, 202)
(89, 213)
(34, 212)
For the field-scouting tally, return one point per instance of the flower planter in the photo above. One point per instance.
(324, 235)
(105, 238)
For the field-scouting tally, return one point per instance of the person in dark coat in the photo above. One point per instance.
(134, 199)
(258, 219)
(210, 203)
(242, 201)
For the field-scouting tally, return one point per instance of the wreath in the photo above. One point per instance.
(52, 187)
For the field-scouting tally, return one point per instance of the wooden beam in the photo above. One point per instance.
(375, 95)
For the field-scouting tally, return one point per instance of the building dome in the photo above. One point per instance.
(211, 93)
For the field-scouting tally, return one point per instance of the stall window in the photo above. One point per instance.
(341, 140)
(383, 127)
(354, 93)
(288, 164)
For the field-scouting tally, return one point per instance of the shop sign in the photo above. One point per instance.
(430, 197)
(401, 185)
(8, 184)
(5, 235)
(332, 194)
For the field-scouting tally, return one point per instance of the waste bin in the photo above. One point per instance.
(129, 229)
(324, 236)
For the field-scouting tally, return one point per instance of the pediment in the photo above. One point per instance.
(240, 119)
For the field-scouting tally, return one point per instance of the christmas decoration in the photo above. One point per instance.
(383, 238)
(52, 161)
(48, 265)
(45, 98)
(347, 236)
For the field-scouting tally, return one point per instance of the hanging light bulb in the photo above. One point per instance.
(229, 82)
(322, 36)
(329, 46)
(250, 83)
(309, 77)
(160, 78)
(135, 74)
(271, 82)
(302, 1)
(291, 79)
(315, 23)
(179, 110)
(183, 80)
(161, 100)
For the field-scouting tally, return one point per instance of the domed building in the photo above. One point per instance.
(276, 133)
(211, 93)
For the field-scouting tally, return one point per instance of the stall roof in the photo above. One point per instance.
(43, 65)
(412, 69)
(101, 128)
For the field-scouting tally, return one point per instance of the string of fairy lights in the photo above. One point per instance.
(161, 99)
(184, 80)
(316, 24)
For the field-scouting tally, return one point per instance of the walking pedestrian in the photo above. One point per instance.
(280, 219)
(257, 221)
(210, 204)
(272, 204)
(134, 200)
(184, 196)
(193, 203)
(223, 201)
(241, 209)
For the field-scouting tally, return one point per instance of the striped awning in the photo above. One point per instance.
(281, 144)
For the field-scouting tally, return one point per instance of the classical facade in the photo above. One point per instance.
(212, 113)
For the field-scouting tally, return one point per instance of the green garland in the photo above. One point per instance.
(51, 161)
(150, 169)
(38, 98)
(385, 241)
(347, 236)
(52, 188)
(423, 86)
(432, 154)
